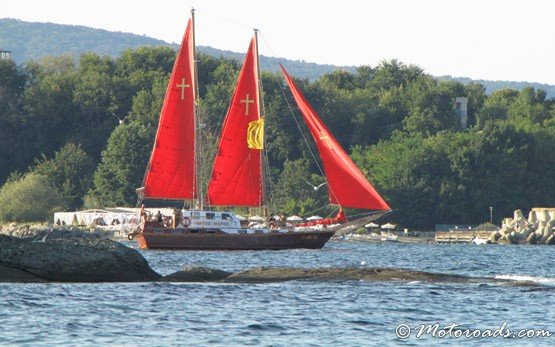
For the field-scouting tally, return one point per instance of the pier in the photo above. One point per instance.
(466, 236)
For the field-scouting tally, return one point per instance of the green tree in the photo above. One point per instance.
(432, 110)
(293, 194)
(70, 171)
(12, 84)
(29, 198)
(122, 168)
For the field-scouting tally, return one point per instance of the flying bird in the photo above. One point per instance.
(121, 121)
(316, 187)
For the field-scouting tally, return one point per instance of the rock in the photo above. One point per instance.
(75, 256)
(550, 240)
(196, 274)
(269, 275)
(8, 274)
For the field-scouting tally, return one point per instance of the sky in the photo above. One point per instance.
(510, 40)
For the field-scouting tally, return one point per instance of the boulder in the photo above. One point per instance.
(74, 256)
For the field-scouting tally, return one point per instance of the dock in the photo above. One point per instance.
(466, 236)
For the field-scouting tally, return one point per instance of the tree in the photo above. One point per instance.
(70, 171)
(122, 168)
(432, 110)
(12, 84)
(29, 198)
(293, 193)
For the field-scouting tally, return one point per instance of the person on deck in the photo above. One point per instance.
(176, 218)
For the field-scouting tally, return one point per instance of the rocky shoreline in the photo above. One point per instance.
(68, 255)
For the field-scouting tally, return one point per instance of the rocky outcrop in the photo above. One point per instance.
(9, 274)
(36, 232)
(71, 256)
(283, 274)
(267, 274)
(196, 274)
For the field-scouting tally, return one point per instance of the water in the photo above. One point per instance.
(351, 313)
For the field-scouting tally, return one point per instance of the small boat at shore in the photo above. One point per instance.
(237, 177)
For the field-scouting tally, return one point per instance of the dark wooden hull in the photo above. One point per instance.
(218, 240)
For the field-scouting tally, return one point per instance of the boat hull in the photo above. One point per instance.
(218, 240)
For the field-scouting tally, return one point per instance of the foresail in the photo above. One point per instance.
(171, 169)
(347, 185)
(236, 176)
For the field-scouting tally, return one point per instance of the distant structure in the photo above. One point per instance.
(461, 104)
(5, 55)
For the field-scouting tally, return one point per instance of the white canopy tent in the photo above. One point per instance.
(314, 217)
(294, 219)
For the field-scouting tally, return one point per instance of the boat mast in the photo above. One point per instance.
(262, 113)
(198, 184)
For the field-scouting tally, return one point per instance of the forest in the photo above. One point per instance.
(78, 134)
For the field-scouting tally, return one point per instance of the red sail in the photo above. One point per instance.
(346, 183)
(236, 176)
(171, 170)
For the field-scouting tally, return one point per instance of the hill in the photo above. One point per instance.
(31, 41)
(492, 86)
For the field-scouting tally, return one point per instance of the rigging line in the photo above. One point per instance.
(318, 209)
(293, 113)
(301, 131)
(224, 19)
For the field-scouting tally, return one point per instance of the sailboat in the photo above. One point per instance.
(237, 177)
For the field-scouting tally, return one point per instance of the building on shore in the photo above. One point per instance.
(5, 55)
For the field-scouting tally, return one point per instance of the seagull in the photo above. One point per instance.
(121, 121)
(316, 187)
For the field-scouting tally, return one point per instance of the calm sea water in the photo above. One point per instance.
(351, 313)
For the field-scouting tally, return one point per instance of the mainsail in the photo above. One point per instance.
(347, 185)
(171, 170)
(236, 178)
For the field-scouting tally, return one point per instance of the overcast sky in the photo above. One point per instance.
(481, 39)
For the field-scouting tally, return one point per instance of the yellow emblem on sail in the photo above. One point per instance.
(255, 134)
